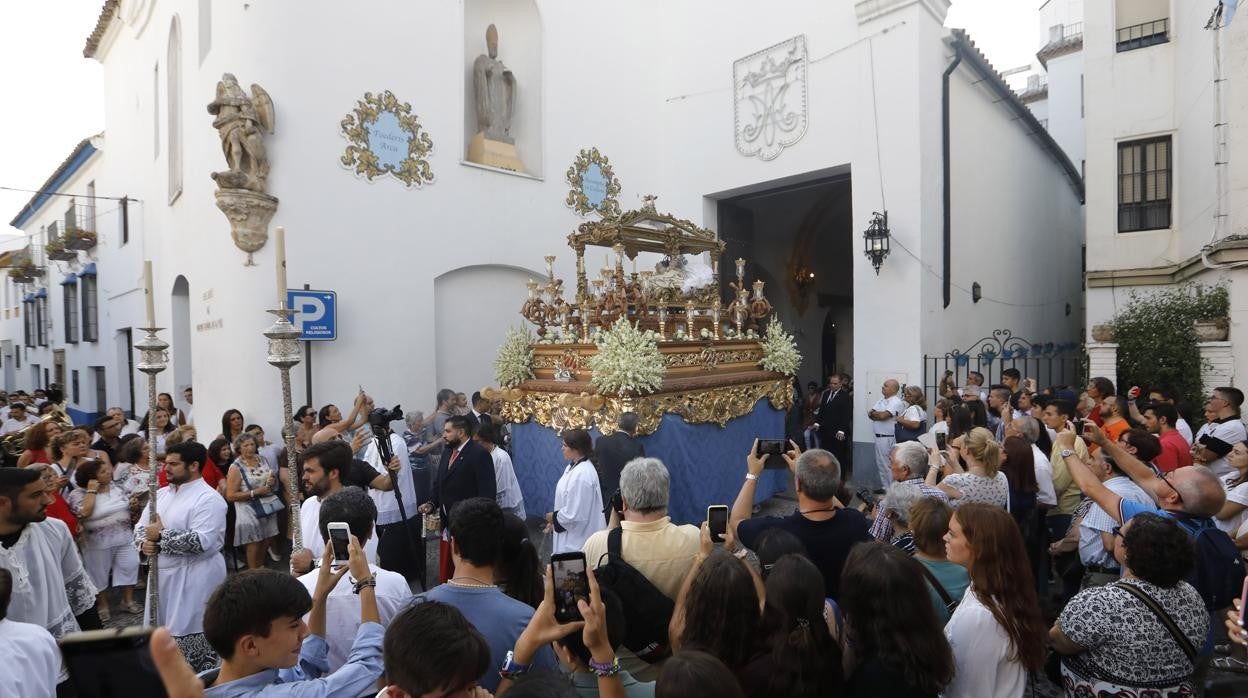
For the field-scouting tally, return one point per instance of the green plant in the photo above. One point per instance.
(1157, 344)
(514, 364)
(627, 361)
(779, 350)
(1211, 303)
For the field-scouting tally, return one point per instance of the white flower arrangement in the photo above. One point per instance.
(780, 352)
(515, 358)
(627, 362)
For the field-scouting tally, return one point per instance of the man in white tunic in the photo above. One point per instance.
(509, 497)
(189, 531)
(578, 496)
(884, 414)
(50, 587)
(30, 651)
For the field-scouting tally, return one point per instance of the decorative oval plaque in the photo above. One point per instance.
(386, 138)
(594, 186)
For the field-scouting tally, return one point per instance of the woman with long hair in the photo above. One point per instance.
(231, 425)
(305, 427)
(960, 421)
(1234, 513)
(947, 583)
(805, 660)
(159, 418)
(519, 571)
(578, 506)
(249, 482)
(719, 609)
(176, 416)
(696, 673)
(38, 439)
(997, 632)
(971, 467)
(1019, 465)
(898, 647)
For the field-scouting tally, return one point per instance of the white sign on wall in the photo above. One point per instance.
(769, 99)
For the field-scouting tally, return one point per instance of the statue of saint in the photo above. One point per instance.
(495, 88)
(241, 122)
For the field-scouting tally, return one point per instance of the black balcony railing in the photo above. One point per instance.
(1142, 35)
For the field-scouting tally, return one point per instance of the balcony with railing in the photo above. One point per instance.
(1063, 39)
(1143, 35)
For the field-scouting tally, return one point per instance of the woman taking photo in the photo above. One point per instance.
(38, 439)
(249, 486)
(897, 645)
(578, 499)
(231, 426)
(108, 551)
(971, 470)
(997, 633)
(1114, 643)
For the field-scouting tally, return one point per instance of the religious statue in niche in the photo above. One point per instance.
(494, 87)
(242, 122)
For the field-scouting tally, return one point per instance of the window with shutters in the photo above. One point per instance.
(70, 294)
(1144, 184)
(90, 309)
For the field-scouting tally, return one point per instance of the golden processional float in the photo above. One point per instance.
(711, 352)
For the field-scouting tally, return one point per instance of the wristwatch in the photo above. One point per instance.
(512, 669)
(1067, 453)
(751, 476)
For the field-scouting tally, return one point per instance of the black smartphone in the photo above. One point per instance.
(571, 583)
(868, 497)
(340, 539)
(112, 662)
(941, 440)
(1078, 427)
(617, 503)
(717, 521)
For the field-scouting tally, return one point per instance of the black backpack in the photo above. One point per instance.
(1219, 571)
(647, 610)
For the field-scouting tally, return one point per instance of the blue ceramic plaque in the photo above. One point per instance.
(388, 141)
(594, 185)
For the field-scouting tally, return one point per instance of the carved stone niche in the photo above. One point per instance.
(249, 214)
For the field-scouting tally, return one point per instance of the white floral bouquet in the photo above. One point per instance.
(779, 350)
(627, 362)
(515, 358)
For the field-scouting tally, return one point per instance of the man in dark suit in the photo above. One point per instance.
(465, 470)
(612, 453)
(478, 415)
(834, 420)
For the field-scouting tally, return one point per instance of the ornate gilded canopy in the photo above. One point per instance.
(646, 230)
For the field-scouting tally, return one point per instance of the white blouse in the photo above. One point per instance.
(981, 654)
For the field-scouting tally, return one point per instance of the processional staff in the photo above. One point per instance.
(283, 354)
(152, 360)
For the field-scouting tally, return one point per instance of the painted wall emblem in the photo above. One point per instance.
(769, 99)
(594, 186)
(386, 138)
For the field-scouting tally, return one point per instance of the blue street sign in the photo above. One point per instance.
(317, 314)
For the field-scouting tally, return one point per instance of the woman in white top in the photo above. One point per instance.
(997, 633)
(578, 499)
(103, 511)
(971, 467)
(1234, 512)
(914, 418)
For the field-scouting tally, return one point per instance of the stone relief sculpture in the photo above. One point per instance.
(242, 122)
(494, 87)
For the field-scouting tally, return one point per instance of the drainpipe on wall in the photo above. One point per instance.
(947, 235)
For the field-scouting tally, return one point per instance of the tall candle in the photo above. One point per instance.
(281, 266)
(149, 299)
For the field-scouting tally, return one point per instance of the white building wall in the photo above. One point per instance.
(417, 268)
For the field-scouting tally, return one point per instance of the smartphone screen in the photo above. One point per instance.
(1079, 427)
(111, 662)
(340, 538)
(571, 583)
(772, 447)
(941, 440)
(717, 521)
(1243, 601)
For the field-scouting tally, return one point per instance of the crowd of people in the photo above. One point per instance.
(1022, 538)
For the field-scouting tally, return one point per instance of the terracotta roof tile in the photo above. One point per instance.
(107, 14)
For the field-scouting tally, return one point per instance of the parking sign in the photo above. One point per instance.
(317, 314)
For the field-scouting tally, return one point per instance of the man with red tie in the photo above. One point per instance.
(465, 470)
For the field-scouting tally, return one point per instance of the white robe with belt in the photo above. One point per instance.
(578, 507)
(191, 564)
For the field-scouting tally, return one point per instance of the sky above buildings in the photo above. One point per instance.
(54, 97)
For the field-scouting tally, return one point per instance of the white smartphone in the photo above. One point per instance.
(340, 539)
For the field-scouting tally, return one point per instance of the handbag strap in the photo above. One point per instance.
(940, 588)
(1184, 643)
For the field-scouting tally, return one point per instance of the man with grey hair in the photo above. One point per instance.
(884, 415)
(610, 454)
(128, 426)
(908, 465)
(1029, 429)
(822, 522)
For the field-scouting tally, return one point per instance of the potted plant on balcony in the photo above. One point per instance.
(24, 272)
(79, 239)
(1211, 308)
(56, 250)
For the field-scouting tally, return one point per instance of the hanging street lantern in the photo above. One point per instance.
(876, 240)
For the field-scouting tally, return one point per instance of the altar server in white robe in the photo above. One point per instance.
(189, 530)
(578, 498)
(34, 660)
(50, 587)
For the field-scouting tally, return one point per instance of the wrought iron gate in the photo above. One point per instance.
(1049, 363)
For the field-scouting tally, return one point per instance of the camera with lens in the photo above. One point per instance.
(381, 417)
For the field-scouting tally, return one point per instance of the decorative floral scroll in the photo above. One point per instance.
(386, 138)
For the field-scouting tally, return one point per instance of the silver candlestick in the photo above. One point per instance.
(284, 353)
(152, 360)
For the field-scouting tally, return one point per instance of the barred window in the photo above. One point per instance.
(70, 292)
(1144, 171)
(90, 310)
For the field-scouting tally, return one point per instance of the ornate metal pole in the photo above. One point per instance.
(152, 360)
(284, 353)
